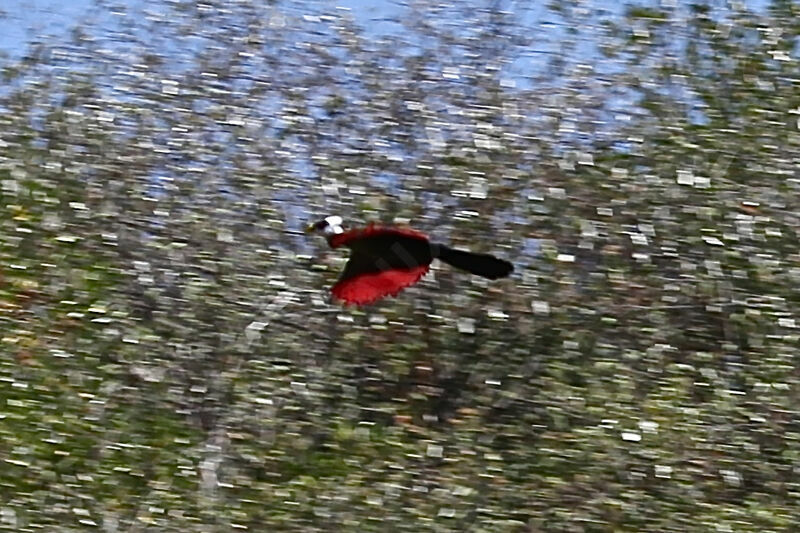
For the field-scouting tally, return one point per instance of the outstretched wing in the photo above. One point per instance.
(383, 262)
(364, 287)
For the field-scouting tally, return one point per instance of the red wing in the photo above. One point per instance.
(383, 262)
(362, 284)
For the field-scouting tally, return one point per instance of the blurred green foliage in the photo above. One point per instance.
(170, 359)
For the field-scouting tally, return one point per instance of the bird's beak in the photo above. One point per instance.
(310, 228)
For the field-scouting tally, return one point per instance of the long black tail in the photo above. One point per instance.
(484, 265)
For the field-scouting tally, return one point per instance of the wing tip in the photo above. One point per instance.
(367, 289)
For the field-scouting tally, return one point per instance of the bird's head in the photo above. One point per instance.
(328, 226)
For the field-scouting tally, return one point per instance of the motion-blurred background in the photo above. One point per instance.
(170, 359)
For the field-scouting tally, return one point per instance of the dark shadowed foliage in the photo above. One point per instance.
(171, 361)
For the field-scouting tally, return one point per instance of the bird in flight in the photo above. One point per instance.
(384, 260)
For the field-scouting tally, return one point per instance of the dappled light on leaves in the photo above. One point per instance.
(170, 355)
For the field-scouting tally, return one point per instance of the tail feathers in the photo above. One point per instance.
(485, 265)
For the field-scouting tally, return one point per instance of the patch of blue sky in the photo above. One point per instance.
(22, 21)
(388, 181)
(25, 21)
(383, 17)
(31, 20)
(531, 246)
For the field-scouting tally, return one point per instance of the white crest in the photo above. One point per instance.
(334, 226)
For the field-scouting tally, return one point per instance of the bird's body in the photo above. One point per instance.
(385, 260)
